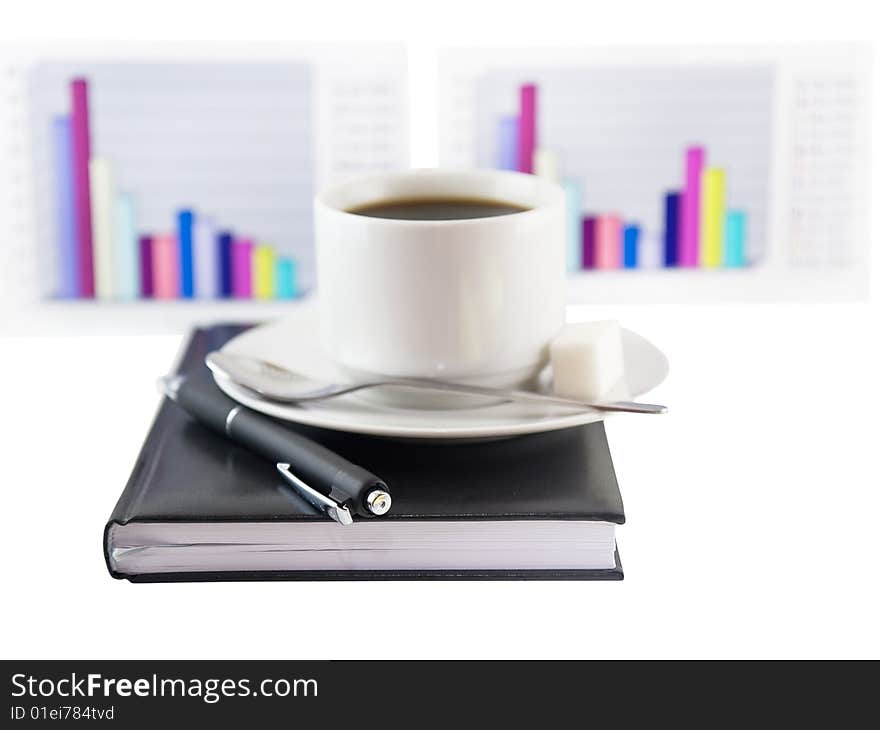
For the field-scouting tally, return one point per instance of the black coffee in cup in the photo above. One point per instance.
(437, 209)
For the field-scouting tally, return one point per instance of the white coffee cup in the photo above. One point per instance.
(476, 300)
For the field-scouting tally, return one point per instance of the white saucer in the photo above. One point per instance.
(293, 342)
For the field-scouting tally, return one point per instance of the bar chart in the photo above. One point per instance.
(662, 167)
(174, 181)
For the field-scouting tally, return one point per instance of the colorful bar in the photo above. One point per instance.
(166, 267)
(545, 163)
(588, 243)
(691, 206)
(652, 246)
(205, 279)
(609, 254)
(185, 241)
(67, 285)
(242, 274)
(80, 148)
(671, 230)
(712, 217)
(631, 247)
(528, 123)
(264, 272)
(126, 274)
(735, 239)
(102, 198)
(145, 245)
(508, 143)
(285, 278)
(573, 245)
(224, 260)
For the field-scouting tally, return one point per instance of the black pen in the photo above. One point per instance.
(324, 478)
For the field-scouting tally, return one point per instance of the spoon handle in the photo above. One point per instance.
(522, 396)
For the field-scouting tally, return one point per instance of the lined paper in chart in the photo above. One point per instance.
(823, 220)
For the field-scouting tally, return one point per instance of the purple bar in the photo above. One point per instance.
(527, 133)
(588, 243)
(241, 269)
(508, 146)
(65, 230)
(145, 243)
(689, 222)
(82, 203)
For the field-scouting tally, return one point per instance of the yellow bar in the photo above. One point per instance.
(545, 163)
(264, 272)
(712, 217)
(101, 193)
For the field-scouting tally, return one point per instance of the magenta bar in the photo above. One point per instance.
(82, 203)
(528, 126)
(242, 254)
(689, 210)
(609, 242)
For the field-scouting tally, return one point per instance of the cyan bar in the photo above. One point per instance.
(185, 241)
(735, 238)
(573, 227)
(285, 278)
(224, 264)
(126, 261)
(508, 143)
(67, 282)
(671, 230)
(631, 247)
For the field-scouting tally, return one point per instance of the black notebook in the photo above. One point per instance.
(199, 507)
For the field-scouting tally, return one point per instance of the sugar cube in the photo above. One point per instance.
(587, 362)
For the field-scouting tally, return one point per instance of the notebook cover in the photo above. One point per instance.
(187, 473)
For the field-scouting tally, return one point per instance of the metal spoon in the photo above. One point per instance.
(275, 383)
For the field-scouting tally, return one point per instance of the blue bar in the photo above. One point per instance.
(185, 240)
(735, 239)
(285, 278)
(670, 233)
(224, 264)
(631, 247)
(65, 230)
(508, 143)
(573, 211)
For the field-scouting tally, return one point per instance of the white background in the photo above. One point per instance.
(752, 507)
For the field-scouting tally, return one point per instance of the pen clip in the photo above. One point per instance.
(333, 509)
